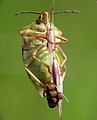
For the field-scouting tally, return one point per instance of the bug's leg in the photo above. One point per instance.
(35, 79)
(63, 59)
(43, 48)
(38, 84)
(28, 62)
(30, 33)
(63, 40)
(62, 56)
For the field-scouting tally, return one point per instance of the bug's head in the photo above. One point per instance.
(44, 18)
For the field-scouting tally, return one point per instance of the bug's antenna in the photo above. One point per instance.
(67, 11)
(27, 12)
(52, 11)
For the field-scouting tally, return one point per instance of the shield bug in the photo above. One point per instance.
(43, 58)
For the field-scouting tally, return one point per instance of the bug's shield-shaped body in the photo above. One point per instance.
(35, 57)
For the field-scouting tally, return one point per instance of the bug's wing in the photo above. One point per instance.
(37, 83)
(60, 87)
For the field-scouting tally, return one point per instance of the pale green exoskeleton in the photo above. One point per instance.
(36, 57)
(35, 51)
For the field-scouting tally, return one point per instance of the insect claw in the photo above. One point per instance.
(22, 32)
(66, 98)
(44, 94)
(49, 70)
(63, 95)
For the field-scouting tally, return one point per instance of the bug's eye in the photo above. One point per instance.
(37, 22)
(40, 16)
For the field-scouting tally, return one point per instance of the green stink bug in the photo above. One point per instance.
(35, 54)
(37, 50)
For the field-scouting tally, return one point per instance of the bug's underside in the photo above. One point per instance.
(36, 56)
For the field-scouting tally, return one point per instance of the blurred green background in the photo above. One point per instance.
(18, 98)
